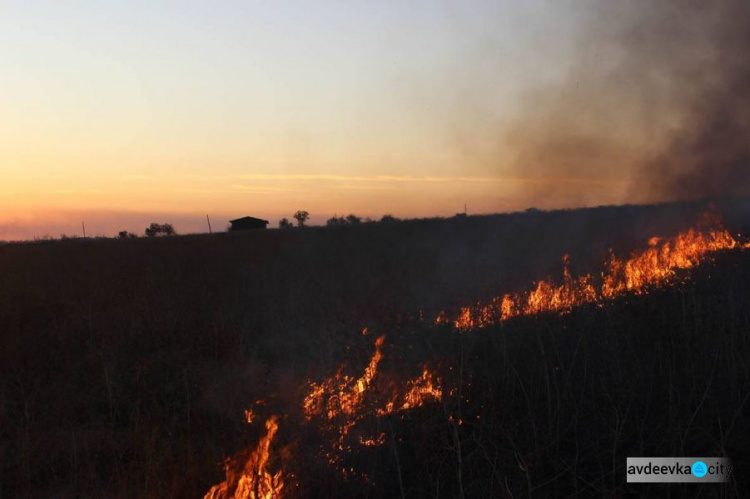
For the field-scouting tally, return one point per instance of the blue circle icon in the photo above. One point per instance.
(699, 469)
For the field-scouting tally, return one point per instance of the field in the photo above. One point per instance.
(127, 366)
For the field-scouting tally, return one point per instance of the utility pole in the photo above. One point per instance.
(209, 224)
(465, 212)
(83, 225)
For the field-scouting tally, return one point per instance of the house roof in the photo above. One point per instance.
(248, 219)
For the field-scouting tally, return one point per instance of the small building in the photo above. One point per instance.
(247, 223)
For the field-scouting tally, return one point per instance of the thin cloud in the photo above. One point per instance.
(187, 190)
(430, 179)
(234, 189)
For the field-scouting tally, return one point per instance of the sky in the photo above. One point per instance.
(118, 114)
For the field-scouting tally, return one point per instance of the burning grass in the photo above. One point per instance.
(657, 266)
(334, 406)
(248, 475)
(133, 380)
(337, 404)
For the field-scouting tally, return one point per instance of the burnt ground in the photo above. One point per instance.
(125, 366)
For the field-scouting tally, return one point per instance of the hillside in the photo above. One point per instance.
(127, 366)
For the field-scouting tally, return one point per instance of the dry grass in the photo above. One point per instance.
(125, 365)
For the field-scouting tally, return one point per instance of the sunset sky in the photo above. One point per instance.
(122, 113)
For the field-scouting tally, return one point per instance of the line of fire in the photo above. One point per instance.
(338, 406)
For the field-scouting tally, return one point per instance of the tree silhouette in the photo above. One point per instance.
(285, 224)
(353, 219)
(156, 229)
(335, 221)
(350, 219)
(153, 229)
(301, 217)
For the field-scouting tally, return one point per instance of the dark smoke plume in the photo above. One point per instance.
(657, 103)
(709, 154)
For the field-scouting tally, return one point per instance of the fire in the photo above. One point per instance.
(342, 401)
(653, 267)
(249, 477)
(420, 390)
(658, 263)
(373, 442)
(341, 394)
(338, 404)
(342, 397)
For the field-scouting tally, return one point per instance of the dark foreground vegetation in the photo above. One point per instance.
(125, 365)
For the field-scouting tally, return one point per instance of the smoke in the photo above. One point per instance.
(710, 154)
(655, 106)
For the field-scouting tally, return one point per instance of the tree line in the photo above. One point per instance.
(152, 230)
(300, 217)
(335, 221)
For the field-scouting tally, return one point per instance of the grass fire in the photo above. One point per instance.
(414, 358)
(476, 249)
(656, 266)
(353, 415)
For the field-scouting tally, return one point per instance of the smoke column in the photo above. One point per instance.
(656, 104)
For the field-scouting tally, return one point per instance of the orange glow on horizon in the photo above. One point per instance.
(58, 204)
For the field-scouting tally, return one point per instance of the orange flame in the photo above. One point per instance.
(373, 442)
(420, 390)
(341, 394)
(340, 400)
(653, 267)
(249, 478)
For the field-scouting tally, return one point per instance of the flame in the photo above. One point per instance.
(249, 478)
(422, 389)
(653, 267)
(342, 401)
(339, 403)
(373, 442)
(341, 394)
